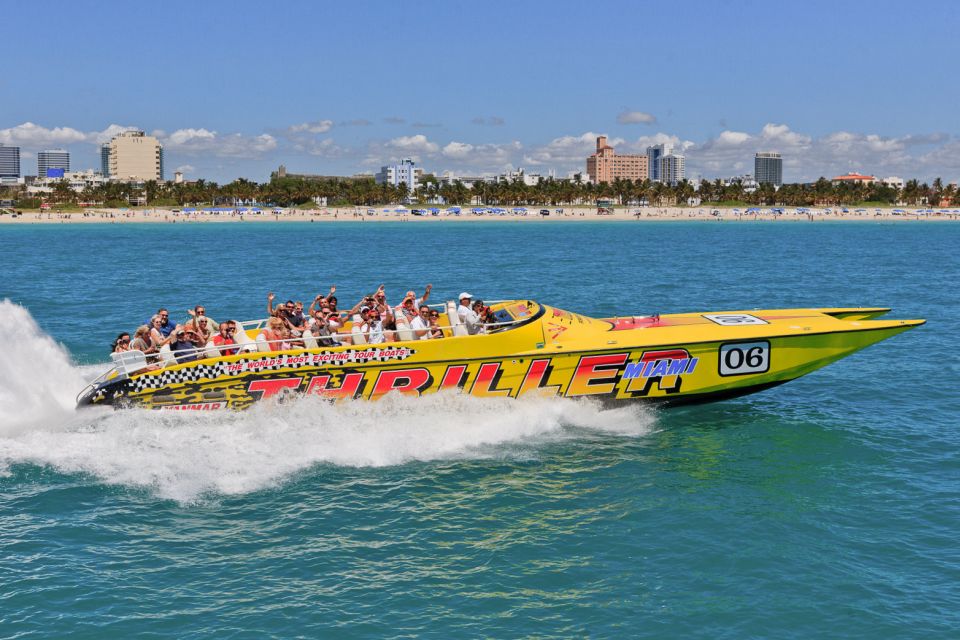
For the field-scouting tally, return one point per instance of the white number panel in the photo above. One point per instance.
(733, 319)
(740, 358)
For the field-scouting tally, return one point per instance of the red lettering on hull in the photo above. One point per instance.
(270, 388)
(404, 381)
(595, 376)
(455, 376)
(536, 378)
(349, 387)
(486, 381)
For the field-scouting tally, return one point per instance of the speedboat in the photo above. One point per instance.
(529, 348)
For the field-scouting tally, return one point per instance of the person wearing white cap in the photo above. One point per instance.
(467, 315)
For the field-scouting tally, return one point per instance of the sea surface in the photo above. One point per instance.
(825, 508)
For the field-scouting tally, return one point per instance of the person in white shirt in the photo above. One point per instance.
(467, 315)
(421, 324)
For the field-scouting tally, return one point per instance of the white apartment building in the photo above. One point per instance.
(405, 172)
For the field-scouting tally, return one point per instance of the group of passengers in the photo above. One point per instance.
(371, 321)
(185, 340)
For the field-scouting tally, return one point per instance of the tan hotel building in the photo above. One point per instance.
(606, 166)
(135, 156)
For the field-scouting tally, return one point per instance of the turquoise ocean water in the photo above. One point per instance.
(828, 507)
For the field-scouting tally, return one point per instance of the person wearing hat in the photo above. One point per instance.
(467, 315)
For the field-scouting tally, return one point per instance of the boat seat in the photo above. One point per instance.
(456, 325)
(262, 344)
(309, 341)
(211, 350)
(166, 356)
(242, 339)
(355, 333)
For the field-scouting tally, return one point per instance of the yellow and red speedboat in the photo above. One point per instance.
(531, 348)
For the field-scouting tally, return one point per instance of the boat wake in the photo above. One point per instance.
(186, 456)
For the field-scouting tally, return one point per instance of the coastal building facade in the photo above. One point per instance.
(105, 159)
(606, 166)
(135, 156)
(895, 182)
(768, 168)
(57, 160)
(673, 169)
(853, 178)
(9, 161)
(665, 165)
(404, 173)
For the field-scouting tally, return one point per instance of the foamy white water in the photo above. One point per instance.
(183, 456)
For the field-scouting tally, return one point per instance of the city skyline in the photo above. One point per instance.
(870, 99)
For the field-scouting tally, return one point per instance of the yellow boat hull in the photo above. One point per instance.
(681, 358)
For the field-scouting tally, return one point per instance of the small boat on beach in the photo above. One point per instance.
(528, 348)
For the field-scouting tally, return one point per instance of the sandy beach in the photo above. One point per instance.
(375, 215)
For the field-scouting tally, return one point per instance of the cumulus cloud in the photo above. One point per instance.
(567, 150)
(482, 157)
(186, 168)
(635, 117)
(206, 142)
(315, 127)
(33, 135)
(413, 144)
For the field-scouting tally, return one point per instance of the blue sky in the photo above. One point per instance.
(234, 89)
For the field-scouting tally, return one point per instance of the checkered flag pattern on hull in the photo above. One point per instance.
(179, 376)
(267, 363)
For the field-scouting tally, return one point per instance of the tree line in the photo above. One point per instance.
(364, 191)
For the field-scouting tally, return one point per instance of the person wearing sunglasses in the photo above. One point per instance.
(225, 338)
(421, 324)
(121, 343)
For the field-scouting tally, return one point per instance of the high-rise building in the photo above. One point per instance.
(673, 168)
(9, 162)
(654, 155)
(135, 156)
(606, 166)
(105, 159)
(405, 172)
(665, 165)
(768, 168)
(55, 159)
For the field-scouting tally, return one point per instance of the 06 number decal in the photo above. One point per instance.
(740, 358)
(733, 319)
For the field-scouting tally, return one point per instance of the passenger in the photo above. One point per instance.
(156, 335)
(202, 329)
(225, 337)
(467, 315)
(121, 344)
(320, 328)
(198, 312)
(166, 326)
(277, 335)
(421, 324)
(436, 331)
(390, 328)
(408, 307)
(287, 312)
(185, 346)
(142, 342)
(483, 312)
(372, 325)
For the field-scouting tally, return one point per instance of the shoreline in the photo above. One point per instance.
(557, 214)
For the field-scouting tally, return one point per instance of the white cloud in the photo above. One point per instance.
(186, 168)
(636, 117)
(318, 126)
(565, 150)
(457, 150)
(413, 144)
(199, 142)
(33, 135)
